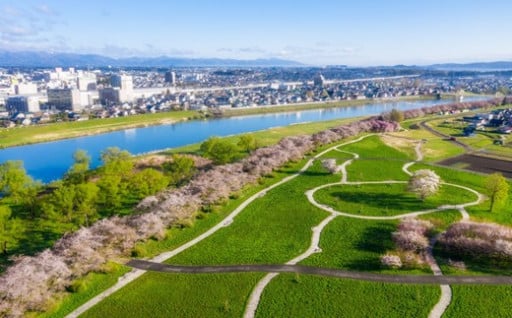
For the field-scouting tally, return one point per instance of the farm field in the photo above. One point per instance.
(276, 228)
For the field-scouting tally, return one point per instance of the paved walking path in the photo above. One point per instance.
(140, 266)
(445, 297)
(328, 272)
(134, 274)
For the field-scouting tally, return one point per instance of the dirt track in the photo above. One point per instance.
(481, 164)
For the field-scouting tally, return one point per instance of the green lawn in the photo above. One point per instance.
(387, 199)
(308, 296)
(480, 301)
(277, 227)
(33, 134)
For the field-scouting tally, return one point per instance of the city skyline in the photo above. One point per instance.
(330, 32)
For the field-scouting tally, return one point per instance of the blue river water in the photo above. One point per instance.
(50, 160)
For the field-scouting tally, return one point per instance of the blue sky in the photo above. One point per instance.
(360, 32)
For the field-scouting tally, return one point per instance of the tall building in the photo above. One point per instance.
(64, 99)
(86, 82)
(114, 96)
(170, 77)
(25, 89)
(124, 83)
(22, 104)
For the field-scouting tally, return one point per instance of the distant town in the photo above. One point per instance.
(35, 96)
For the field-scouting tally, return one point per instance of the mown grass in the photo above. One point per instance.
(251, 238)
(338, 155)
(179, 295)
(376, 162)
(476, 182)
(480, 301)
(276, 228)
(33, 134)
(442, 219)
(353, 244)
(387, 199)
(308, 296)
(175, 236)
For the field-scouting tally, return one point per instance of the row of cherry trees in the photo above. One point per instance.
(32, 281)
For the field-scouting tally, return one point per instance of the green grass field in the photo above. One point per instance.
(387, 199)
(277, 227)
(33, 134)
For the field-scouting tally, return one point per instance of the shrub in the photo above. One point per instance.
(485, 242)
(330, 165)
(391, 261)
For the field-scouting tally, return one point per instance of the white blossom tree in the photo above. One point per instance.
(330, 165)
(424, 183)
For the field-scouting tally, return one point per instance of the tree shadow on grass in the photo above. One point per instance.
(316, 173)
(399, 202)
(375, 240)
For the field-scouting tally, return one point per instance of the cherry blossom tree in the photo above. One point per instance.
(424, 183)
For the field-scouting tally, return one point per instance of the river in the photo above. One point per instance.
(50, 160)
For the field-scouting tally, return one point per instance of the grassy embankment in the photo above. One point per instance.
(10, 137)
(285, 211)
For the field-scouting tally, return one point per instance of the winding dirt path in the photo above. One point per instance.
(254, 298)
(446, 295)
(227, 221)
(140, 266)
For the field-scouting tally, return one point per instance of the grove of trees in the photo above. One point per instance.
(32, 281)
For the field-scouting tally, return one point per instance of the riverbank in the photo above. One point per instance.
(11, 137)
(316, 105)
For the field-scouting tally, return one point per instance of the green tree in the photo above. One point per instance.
(207, 146)
(147, 182)
(11, 229)
(497, 189)
(63, 203)
(77, 173)
(115, 177)
(85, 200)
(180, 169)
(396, 115)
(111, 191)
(14, 181)
(247, 143)
(219, 150)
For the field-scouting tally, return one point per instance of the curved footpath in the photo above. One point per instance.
(327, 272)
(141, 266)
(446, 295)
(136, 273)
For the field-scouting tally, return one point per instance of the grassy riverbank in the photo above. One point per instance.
(10, 137)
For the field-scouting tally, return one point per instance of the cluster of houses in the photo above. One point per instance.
(500, 120)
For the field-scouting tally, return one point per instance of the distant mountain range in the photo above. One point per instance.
(44, 59)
